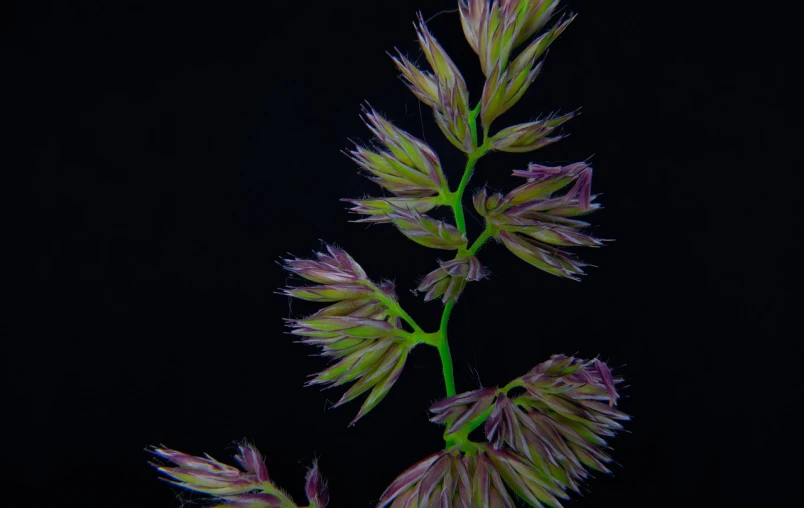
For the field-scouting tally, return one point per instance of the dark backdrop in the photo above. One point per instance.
(178, 150)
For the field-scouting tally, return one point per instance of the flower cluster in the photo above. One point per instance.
(538, 443)
(357, 329)
(403, 164)
(411, 171)
(494, 31)
(560, 424)
(543, 431)
(235, 488)
(448, 479)
(444, 89)
(450, 278)
(534, 223)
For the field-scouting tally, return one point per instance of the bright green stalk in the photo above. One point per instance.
(487, 233)
(460, 222)
(457, 196)
(443, 351)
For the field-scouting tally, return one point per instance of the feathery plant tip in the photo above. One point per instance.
(539, 436)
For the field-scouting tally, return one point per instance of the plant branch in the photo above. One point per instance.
(461, 437)
(460, 222)
(487, 233)
(395, 309)
(444, 352)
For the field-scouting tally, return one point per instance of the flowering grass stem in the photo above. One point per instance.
(460, 221)
(443, 351)
(456, 202)
(539, 442)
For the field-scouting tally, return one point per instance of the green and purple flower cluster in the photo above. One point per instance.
(538, 436)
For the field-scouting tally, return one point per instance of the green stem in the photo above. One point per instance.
(456, 203)
(396, 309)
(461, 437)
(487, 233)
(443, 351)
(457, 196)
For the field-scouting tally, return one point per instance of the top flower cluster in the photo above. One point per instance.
(494, 31)
(535, 221)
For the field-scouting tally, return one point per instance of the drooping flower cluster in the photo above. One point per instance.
(560, 424)
(357, 329)
(534, 223)
(539, 443)
(448, 479)
(235, 488)
(448, 280)
(494, 31)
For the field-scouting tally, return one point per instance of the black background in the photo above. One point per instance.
(178, 150)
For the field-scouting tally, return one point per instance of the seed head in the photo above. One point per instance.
(459, 410)
(444, 89)
(207, 475)
(535, 223)
(315, 487)
(495, 29)
(333, 267)
(530, 136)
(539, 443)
(423, 84)
(450, 278)
(356, 330)
(378, 209)
(427, 231)
(376, 367)
(442, 479)
(407, 166)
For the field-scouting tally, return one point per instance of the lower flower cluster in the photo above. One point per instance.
(231, 487)
(449, 478)
(538, 444)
